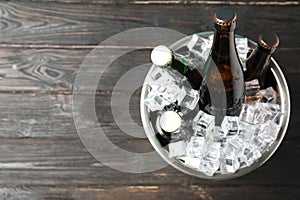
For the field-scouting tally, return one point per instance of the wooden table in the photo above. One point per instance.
(42, 46)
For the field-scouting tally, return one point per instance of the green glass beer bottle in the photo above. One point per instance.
(163, 56)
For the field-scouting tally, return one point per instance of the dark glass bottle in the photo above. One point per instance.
(222, 89)
(162, 56)
(258, 61)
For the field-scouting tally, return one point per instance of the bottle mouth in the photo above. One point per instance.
(161, 56)
(268, 40)
(225, 17)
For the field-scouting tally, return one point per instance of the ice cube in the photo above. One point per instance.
(166, 76)
(252, 99)
(196, 147)
(235, 144)
(153, 101)
(209, 167)
(261, 144)
(179, 79)
(219, 135)
(158, 97)
(250, 154)
(213, 151)
(180, 94)
(162, 95)
(275, 110)
(204, 124)
(260, 113)
(229, 163)
(247, 131)
(190, 162)
(252, 87)
(230, 125)
(171, 93)
(191, 98)
(161, 76)
(242, 49)
(269, 131)
(265, 112)
(177, 149)
(268, 95)
(248, 113)
(210, 162)
(186, 131)
(199, 48)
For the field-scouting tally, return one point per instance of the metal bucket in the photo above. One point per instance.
(284, 101)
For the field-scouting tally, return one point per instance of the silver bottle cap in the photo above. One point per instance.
(170, 121)
(161, 56)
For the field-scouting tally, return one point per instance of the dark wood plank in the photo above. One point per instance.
(66, 164)
(39, 70)
(66, 156)
(44, 24)
(164, 2)
(152, 192)
(48, 70)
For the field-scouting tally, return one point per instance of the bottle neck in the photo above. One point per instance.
(222, 49)
(180, 64)
(259, 58)
(257, 63)
(264, 54)
(224, 45)
(264, 50)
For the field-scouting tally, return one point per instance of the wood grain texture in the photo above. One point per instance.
(83, 24)
(41, 70)
(43, 44)
(40, 147)
(182, 2)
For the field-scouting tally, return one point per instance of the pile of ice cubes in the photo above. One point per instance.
(168, 86)
(199, 49)
(239, 141)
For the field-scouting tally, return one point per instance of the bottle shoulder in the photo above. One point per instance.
(230, 65)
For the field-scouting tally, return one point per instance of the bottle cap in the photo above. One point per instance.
(161, 56)
(170, 121)
(225, 17)
(268, 40)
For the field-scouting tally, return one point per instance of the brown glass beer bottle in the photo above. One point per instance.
(258, 61)
(222, 89)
